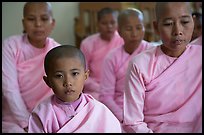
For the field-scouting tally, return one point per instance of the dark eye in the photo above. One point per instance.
(75, 73)
(185, 22)
(58, 76)
(30, 19)
(45, 19)
(128, 28)
(139, 27)
(168, 24)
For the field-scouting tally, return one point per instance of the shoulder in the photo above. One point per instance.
(13, 43)
(90, 99)
(147, 45)
(52, 42)
(98, 106)
(14, 38)
(114, 53)
(44, 105)
(144, 58)
(146, 54)
(114, 59)
(88, 43)
(196, 49)
(197, 41)
(91, 38)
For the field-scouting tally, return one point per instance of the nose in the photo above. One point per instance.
(134, 32)
(109, 25)
(177, 30)
(67, 83)
(38, 22)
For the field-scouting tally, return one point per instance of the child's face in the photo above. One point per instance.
(175, 26)
(132, 31)
(107, 26)
(38, 22)
(66, 77)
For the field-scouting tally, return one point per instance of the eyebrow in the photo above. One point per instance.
(184, 16)
(74, 69)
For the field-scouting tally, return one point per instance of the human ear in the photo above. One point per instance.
(45, 78)
(53, 23)
(86, 74)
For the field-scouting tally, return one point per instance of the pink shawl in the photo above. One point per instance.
(162, 100)
(23, 85)
(91, 117)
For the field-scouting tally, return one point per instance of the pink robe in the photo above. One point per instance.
(113, 77)
(22, 80)
(85, 115)
(164, 94)
(197, 41)
(95, 50)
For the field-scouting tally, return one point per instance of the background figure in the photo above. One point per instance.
(69, 110)
(22, 66)
(96, 46)
(131, 29)
(197, 41)
(197, 18)
(164, 84)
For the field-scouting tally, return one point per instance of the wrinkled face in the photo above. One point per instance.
(132, 31)
(107, 25)
(38, 22)
(66, 77)
(175, 26)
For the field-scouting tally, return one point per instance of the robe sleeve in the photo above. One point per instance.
(35, 125)
(134, 101)
(10, 87)
(107, 88)
(91, 83)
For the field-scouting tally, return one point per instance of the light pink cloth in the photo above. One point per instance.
(95, 50)
(113, 77)
(164, 94)
(22, 80)
(197, 41)
(86, 116)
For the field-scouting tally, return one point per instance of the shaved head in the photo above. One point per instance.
(63, 51)
(123, 16)
(28, 5)
(160, 7)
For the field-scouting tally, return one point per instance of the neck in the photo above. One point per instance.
(172, 53)
(37, 44)
(130, 48)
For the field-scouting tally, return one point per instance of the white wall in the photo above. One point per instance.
(64, 14)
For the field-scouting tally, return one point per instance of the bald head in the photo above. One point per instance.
(123, 16)
(105, 11)
(63, 51)
(161, 7)
(30, 5)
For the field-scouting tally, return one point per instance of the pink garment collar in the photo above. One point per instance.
(74, 104)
